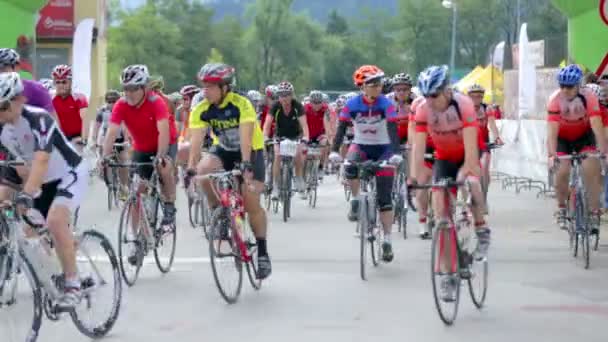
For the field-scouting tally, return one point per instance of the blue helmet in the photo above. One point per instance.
(432, 79)
(570, 75)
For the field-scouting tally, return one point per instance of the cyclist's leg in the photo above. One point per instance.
(422, 196)
(323, 142)
(299, 161)
(211, 162)
(561, 181)
(592, 174)
(351, 173)
(276, 172)
(384, 192)
(442, 169)
(166, 172)
(69, 194)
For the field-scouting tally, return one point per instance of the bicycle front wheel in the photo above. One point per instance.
(478, 280)
(362, 227)
(164, 250)
(100, 283)
(21, 308)
(444, 268)
(131, 243)
(226, 264)
(582, 226)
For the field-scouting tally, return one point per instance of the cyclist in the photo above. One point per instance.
(239, 140)
(182, 115)
(35, 93)
(575, 125)
(291, 124)
(256, 99)
(402, 98)
(55, 180)
(47, 83)
(317, 118)
(146, 116)
(450, 118)
(69, 105)
(387, 85)
(99, 132)
(374, 120)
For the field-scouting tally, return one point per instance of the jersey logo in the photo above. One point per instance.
(470, 119)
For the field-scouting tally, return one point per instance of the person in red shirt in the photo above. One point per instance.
(317, 118)
(146, 116)
(575, 126)
(451, 120)
(403, 98)
(68, 105)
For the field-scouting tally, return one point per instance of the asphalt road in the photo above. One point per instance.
(537, 291)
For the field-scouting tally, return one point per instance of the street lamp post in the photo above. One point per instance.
(452, 4)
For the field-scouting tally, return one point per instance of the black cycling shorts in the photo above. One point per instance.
(585, 143)
(229, 160)
(145, 171)
(443, 169)
(48, 190)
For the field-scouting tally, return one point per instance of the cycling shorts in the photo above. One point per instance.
(145, 171)
(230, 159)
(585, 143)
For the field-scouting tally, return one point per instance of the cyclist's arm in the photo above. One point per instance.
(110, 138)
(40, 166)
(247, 121)
(267, 125)
(492, 126)
(471, 146)
(196, 141)
(164, 137)
(391, 126)
(340, 133)
(598, 130)
(304, 126)
(418, 148)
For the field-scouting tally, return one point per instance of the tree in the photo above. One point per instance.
(336, 24)
(144, 37)
(215, 56)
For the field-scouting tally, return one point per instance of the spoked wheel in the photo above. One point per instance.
(596, 241)
(582, 227)
(5, 263)
(478, 280)
(286, 176)
(445, 272)
(101, 285)
(347, 192)
(362, 228)
(226, 264)
(192, 212)
(164, 253)
(252, 265)
(403, 223)
(375, 242)
(21, 306)
(131, 243)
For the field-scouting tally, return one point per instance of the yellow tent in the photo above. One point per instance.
(470, 75)
(484, 78)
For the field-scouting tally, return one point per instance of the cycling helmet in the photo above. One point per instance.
(340, 102)
(112, 95)
(306, 100)
(325, 98)
(387, 85)
(349, 96)
(366, 74)
(570, 75)
(10, 86)
(476, 88)
(402, 78)
(189, 91)
(135, 75)
(8, 57)
(316, 96)
(433, 79)
(270, 90)
(47, 83)
(284, 88)
(62, 72)
(156, 83)
(595, 89)
(254, 96)
(219, 73)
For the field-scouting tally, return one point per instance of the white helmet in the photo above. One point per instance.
(47, 83)
(10, 86)
(136, 75)
(254, 96)
(8, 57)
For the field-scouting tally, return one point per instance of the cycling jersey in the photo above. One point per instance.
(225, 119)
(287, 125)
(172, 125)
(573, 115)
(35, 130)
(102, 118)
(316, 120)
(445, 128)
(369, 119)
(141, 121)
(483, 113)
(604, 113)
(265, 110)
(68, 112)
(403, 115)
(37, 95)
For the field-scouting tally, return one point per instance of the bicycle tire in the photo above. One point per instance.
(191, 212)
(478, 297)
(582, 225)
(159, 232)
(436, 247)
(123, 228)
(230, 298)
(252, 250)
(362, 224)
(286, 177)
(596, 244)
(4, 249)
(100, 329)
(403, 218)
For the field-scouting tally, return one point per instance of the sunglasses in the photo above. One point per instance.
(131, 88)
(61, 82)
(283, 95)
(566, 86)
(401, 90)
(432, 96)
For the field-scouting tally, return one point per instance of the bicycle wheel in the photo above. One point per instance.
(442, 265)
(226, 262)
(347, 192)
(582, 225)
(20, 309)
(252, 250)
(4, 250)
(286, 187)
(101, 285)
(131, 244)
(192, 211)
(312, 192)
(362, 227)
(165, 238)
(478, 279)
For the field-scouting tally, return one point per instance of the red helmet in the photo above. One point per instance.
(62, 72)
(367, 73)
(189, 91)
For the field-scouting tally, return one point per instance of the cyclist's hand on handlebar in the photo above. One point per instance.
(335, 157)
(471, 170)
(190, 173)
(498, 141)
(395, 159)
(24, 202)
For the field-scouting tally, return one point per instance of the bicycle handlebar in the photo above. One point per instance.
(442, 184)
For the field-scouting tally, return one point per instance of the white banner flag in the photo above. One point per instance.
(81, 57)
(498, 56)
(527, 76)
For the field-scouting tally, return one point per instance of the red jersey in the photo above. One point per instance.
(604, 113)
(68, 112)
(412, 118)
(141, 121)
(483, 113)
(446, 127)
(265, 110)
(573, 115)
(403, 117)
(315, 120)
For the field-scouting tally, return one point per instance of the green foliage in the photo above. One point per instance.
(274, 42)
